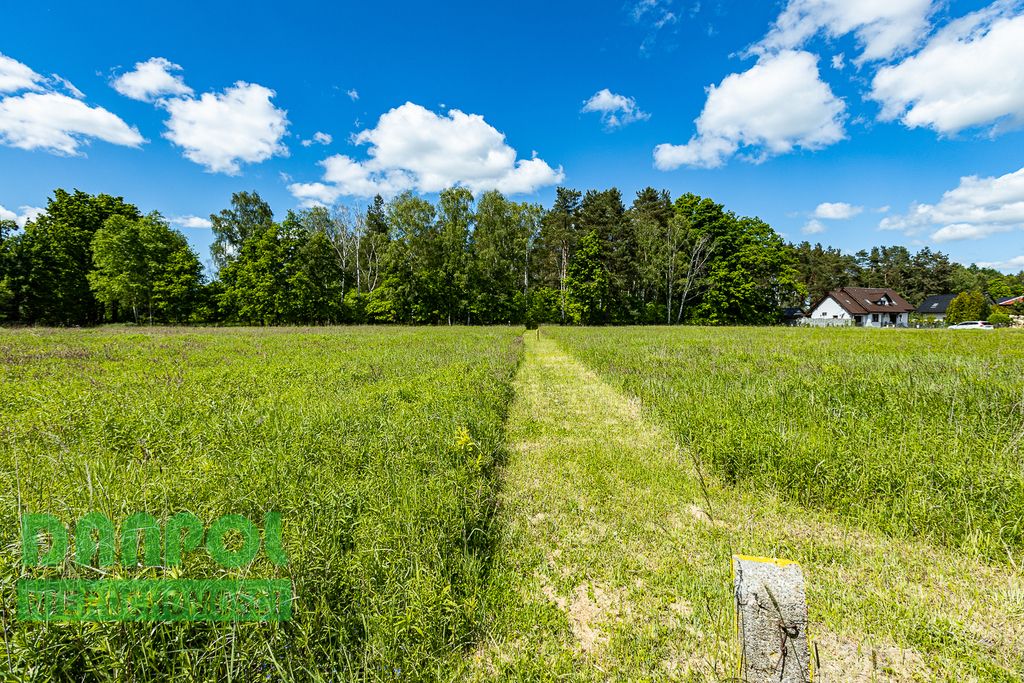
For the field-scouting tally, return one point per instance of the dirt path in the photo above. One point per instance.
(615, 561)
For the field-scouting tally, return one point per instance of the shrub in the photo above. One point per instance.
(1000, 319)
(967, 306)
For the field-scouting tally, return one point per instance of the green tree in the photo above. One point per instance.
(409, 288)
(455, 217)
(744, 270)
(967, 306)
(316, 282)
(248, 216)
(376, 217)
(55, 257)
(656, 254)
(7, 269)
(822, 269)
(502, 240)
(559, 235)
(143, 266)
(1000, 286)
(256, 279)
(587, 283)
(603, 214)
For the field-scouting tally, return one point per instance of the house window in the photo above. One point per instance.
(874, 317)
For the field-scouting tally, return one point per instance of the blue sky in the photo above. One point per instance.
(853, 124)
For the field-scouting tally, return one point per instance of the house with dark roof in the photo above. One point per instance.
(935, 307)
(861, 307)
(792, 316)
(1010, 301)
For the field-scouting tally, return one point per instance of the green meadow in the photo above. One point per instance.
(499, 504)
(915, 432)
(377, 446)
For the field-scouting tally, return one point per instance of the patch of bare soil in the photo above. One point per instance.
(844, 661)
(589, 609)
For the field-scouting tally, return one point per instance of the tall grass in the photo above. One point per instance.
(377, 446)
(918, 433)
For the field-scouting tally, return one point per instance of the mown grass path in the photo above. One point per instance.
(614, 561)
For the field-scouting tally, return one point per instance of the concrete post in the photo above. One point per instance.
(771, 620)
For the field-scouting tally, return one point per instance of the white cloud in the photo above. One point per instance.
(411, 147)
(839, 61)
(969, 74)
(15, 76)
(45, 119)
(22, 216)
(60, 124)
(616, 110)
(67, 85)
(967, 231)
(655, 15)
(318, 139)
(883, 27)
(777, 105)
(1014, 264)
(220, 131)
(191, 222)
(353, 94)
(150, 80)
(657, 12)
(975, 209)
(837, 211)
(813, 227)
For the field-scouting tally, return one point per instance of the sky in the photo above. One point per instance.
(852, 124)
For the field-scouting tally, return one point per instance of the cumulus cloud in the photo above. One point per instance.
(318, 138)
(413, 148)
(151, 79)
(975, 209)
(615, 110)
(15, 76)
(42, 118)
(1009, 265)
(883, 28)
(191, 222)
(22, 216)
(777, 105)
(217, 130)
(60, 124)
(813, 227)
(837, 211)
(839, 61)
(968, 74)
(221, 131)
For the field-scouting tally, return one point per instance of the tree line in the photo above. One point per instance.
(587, 259)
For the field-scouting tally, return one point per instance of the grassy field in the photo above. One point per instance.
(917, 433)
(377, 446)
(478, 504)
(614, 559)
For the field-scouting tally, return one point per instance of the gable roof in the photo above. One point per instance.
(862, 300)
(1010, 301)
(937, 303)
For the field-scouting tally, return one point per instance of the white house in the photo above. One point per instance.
(861, 307)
